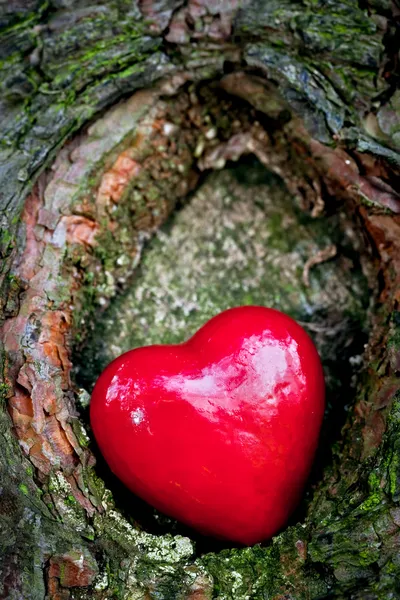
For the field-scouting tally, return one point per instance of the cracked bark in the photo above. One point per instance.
(324, 76)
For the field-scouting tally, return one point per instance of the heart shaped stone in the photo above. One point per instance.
(218, 432)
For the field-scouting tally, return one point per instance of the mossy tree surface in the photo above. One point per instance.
(324, 115)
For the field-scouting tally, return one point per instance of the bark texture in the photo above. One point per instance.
(103, 131)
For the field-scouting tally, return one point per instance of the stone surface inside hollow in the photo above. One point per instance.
(239, 240)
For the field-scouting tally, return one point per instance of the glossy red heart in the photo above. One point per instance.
(220, 431)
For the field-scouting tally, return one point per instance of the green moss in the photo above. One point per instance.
(394, 469)
(241, 574)
(393, 341)
(376, 493)
(24, 489)
(274, 571)
(80, 433)
(371, 502)
(7, 241)
(104, 58)
(390, 568)
(4, 392)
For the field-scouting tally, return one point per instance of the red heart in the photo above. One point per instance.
(220, 431)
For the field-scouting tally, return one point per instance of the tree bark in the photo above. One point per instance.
(84, 103)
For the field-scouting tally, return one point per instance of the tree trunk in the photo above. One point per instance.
(89, 168)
